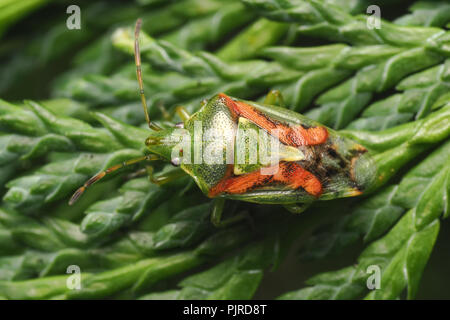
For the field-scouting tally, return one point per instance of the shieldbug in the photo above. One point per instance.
(255, 152)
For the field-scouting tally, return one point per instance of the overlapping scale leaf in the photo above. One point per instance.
(136, 235)
(402, 253)
(342, 104)
(422, 92)
(374, 216)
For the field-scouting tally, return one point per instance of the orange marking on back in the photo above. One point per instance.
(294, 136)
(294, 176)
(290, 174)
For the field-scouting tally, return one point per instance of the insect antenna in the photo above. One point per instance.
(137, 59)
(102, 174)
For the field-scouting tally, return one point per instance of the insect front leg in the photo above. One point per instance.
(165, 177)
(166, 114)
(217, 211)
(275, 98)
(297, 208)
(181, 111)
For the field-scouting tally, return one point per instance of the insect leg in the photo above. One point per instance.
(179, 110)
(102, 174)
(297, 207)
(165, 177)
(217, 210)
(166, 115)
(216, 215)
(137, 174)
(274, 97)
(182, 113)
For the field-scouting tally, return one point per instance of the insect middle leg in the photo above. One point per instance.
(275, 98)
(297, 207)
(217, 211)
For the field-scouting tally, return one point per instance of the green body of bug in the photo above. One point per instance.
(217, 137)
(256, 152)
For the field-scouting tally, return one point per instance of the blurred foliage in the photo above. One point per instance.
(386, 88)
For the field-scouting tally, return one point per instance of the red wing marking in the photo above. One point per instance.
(294, 136)
(290, 174)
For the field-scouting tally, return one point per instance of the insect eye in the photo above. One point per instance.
(176, 162)
(180, 125)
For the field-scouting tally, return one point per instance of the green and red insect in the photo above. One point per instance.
(313, 162)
